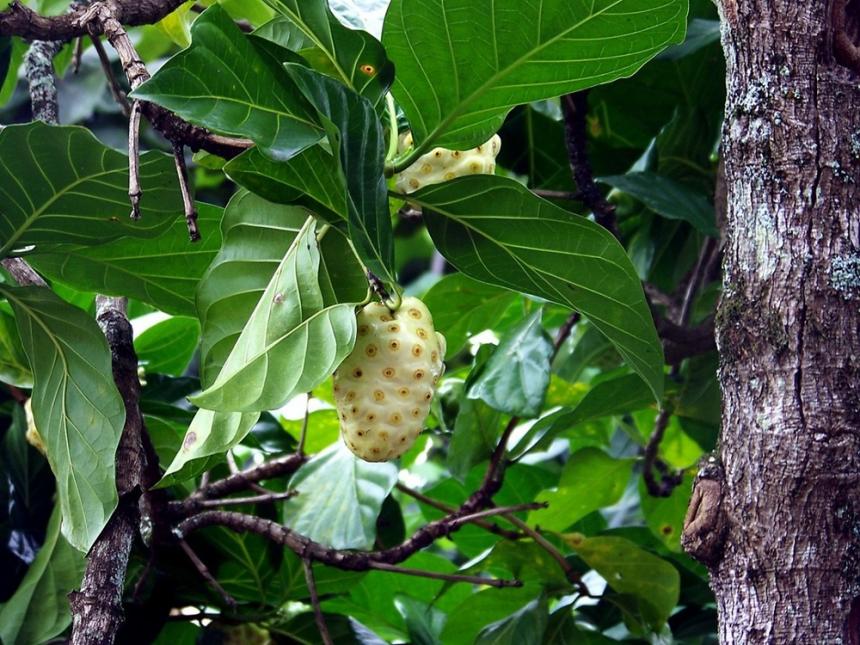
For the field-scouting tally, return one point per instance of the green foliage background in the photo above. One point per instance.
(499, 267)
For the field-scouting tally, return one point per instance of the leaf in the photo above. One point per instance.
(463, 307)
(295, 338)
(487, 606)
(256, 234)
(355, 132)
(524, 627)
(168, 347)
(339, 498)
(311, 177)
(591, 479)
(461, 65)
(423, 621)
(175, 25)
(496, 231)
(665, 515)
(630, 570)
(224, 83)
(14, 368)
(515, 378)
(591, 349)
(668, 198)
(164, 272)
(355, 58)
(615, 396)
(476, 430)
(76, 406)
(39, 609)
(209, 436)
(65, 187)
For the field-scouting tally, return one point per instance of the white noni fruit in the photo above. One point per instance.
(441, 164)
(383, 389)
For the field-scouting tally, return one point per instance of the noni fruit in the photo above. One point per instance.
(441, 164)
(384, 387)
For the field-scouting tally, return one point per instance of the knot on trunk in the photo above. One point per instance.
(705, 524)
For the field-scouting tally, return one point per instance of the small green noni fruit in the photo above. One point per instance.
(384, 387)
(441, 164)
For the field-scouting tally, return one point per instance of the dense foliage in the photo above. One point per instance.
(232, 331)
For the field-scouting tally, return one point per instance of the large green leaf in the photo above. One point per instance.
(14, 368)
(296, 336)
(591, 479)
(65, 187)
(339, 498)
(668, 198)
(163, 272)
(476, 431)
(257, 234)
(311, 177)
(167, 347)
(462, 64)
(629, 569)
(525, 626)
(496, 231)
(355, 132)
(76, 406)
(225, 83)
(515, 378)
(355, 58)
(210, 434)
(39, 609)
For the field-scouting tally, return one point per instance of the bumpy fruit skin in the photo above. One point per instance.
(441, 164)
(383, 389)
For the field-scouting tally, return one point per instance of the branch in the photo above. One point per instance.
(204, 572)
(39, 68)
(23, 273)
(97, 608)
(18, 20)
(315, 602)
(451, 577)
(668, 480)
(574, 108)
(846, 51)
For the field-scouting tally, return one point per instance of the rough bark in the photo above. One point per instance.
(788, 332)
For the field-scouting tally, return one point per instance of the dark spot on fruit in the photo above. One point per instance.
(417, 350)
(357, 373)
(419, 374)
(388, 372)
(394, 345)
(414, 313)
(371, 350)
(378, 395)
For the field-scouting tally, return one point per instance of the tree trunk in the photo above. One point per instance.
(784, 551)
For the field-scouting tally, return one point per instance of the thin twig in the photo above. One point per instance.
(134, 190)
(204, 572)
(255, 499)
(451, 577)
(187, 201)
(488, 526)
(569, 572)
(574, 108)
(669, 480)
(315, 602)
(695, 281)
(79, 52)
(234, 468)
(565, 195)
(115, 89)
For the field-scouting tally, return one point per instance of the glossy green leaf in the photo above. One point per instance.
(312, 177)
(209, 436)
(498, 232)
(66, 188)
(665, 515)
(76, 406)
(591, 479)
(296, 336)
(629, 569)
(14, 367)
(355, 132)
(257, 234)
(167, 347)
(423, 621)
(591, 349)
(339, 498)
(163, 272)
(482, 608)
(515, 378)
(39, 609)
(668, 198)
(462, 65)
(223, 82)
(614, 396)
(525, 626)
(355, 58)
(476, 431)
(463, 307)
